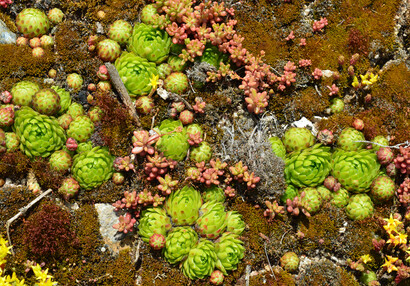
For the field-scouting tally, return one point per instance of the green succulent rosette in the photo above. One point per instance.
(179, 242)
(296, 139)
(32, 22)
(290, 193)
(164, 70)
(202, 153)
(120, 31)
(277, 147)
(23, 92)
(183, 205)
(211, 55)
(312, 200)
(81, 128)
(213, 194)
(324, 193)
(201, 260)
(153, 220)
(230, 250)
(360, 206)
(150, 43)
(380, 140)
(173, 143)
(84, 146)
(60, 160)
(234, 222)
(355, 170)
(93, 167)
(348, 139)
(12, 142)
(39, 134)
(65, 99)
(308, 167)
(340, 198)
(212, 222)
(290, 261)
(75, 109)
(136, 73)
(176, 63)
(194, 129)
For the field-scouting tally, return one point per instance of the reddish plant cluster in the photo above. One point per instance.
(402, 161)
(273, 209)
(319, 25)
(403, 192)
(48, 232)
(4, 3)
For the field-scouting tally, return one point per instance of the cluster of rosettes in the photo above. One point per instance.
(349, 177)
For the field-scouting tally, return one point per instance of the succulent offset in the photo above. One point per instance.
(150, 43)
(81, 128)
(46, 101)
(230, 250)
(214, 194)
(176, 82)
(202, 153)
(23, 92)
(308, 167)
(348, 139)
(312, 200)
(65, 99)
(382, 189)
(212, 222)
(340, 198)
(120, 31)
(355, 170)
(178, 243)
(234, 222)
(201, 260)
(39, 134)
(153, 220)
(360, 206)
(173, 142)
(296, 139)
(277, 147)
(93, 167)
(60, 160)
(290, 261)
(135, 73)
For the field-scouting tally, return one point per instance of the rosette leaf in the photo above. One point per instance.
(179, 242)
(150, 43)
(308, 167)
(153, 220)
(201, 260)
(136, 73)
(39, 134)
(183, 205)
(355, 170)
(93, 167)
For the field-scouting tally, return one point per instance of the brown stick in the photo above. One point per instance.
(120, 88)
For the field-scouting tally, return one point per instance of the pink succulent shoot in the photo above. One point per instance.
(257, 101)
(186, 117)
(317, 73)
(157, 200)
(230, 192)
(194, 139)
(385, 155)
(333, 89)
(209, 177)
(290, 37)
(166, 184)
(319, 25)
(325, 137)
(157, 241)
(290, 66)
(273, 210)
(142, 142)
(305, 63)
(125, 224)
(238, 170)
(123, 164)
(358, 124)
(102, 73)
(145, 198)
(302, 42)
(6, 96)
(218, 165)
(130, 200)
(71, 144)
(4, 3)
(250, 179)
(199, 105)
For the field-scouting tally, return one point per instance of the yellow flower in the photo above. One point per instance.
(355, 82)
(373, 78)
(366, 258)
(389, 263)
(392, 224)
(41, 274)
(153, 81)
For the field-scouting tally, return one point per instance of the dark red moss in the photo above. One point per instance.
(14, 165)
(46, 177)
(48, 232)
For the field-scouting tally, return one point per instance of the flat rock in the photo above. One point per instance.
(6, 36)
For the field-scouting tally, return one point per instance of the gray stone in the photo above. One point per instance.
(6, 36)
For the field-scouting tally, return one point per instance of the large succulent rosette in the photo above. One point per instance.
(355, 170)
(39, 134)
(179, 242)
(201, 260)
(173, 142)
(150, 43)
(136, 73)
(229, 249)
(32, 22)
(183, 205)
(212, 222)
(153, 220)
(308, 167)
(93, 167)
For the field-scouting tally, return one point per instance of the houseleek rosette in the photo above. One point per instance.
(201, 260)
(179, 242)
(153, 220)
(234, 222)
(355, 170)
(65, 99)
(173, 142)
(212, 222)
(93, 167)
(309, 167)
(39, 134)
(150, 43)
(136, 73)
(230, 250)
(183, 205)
